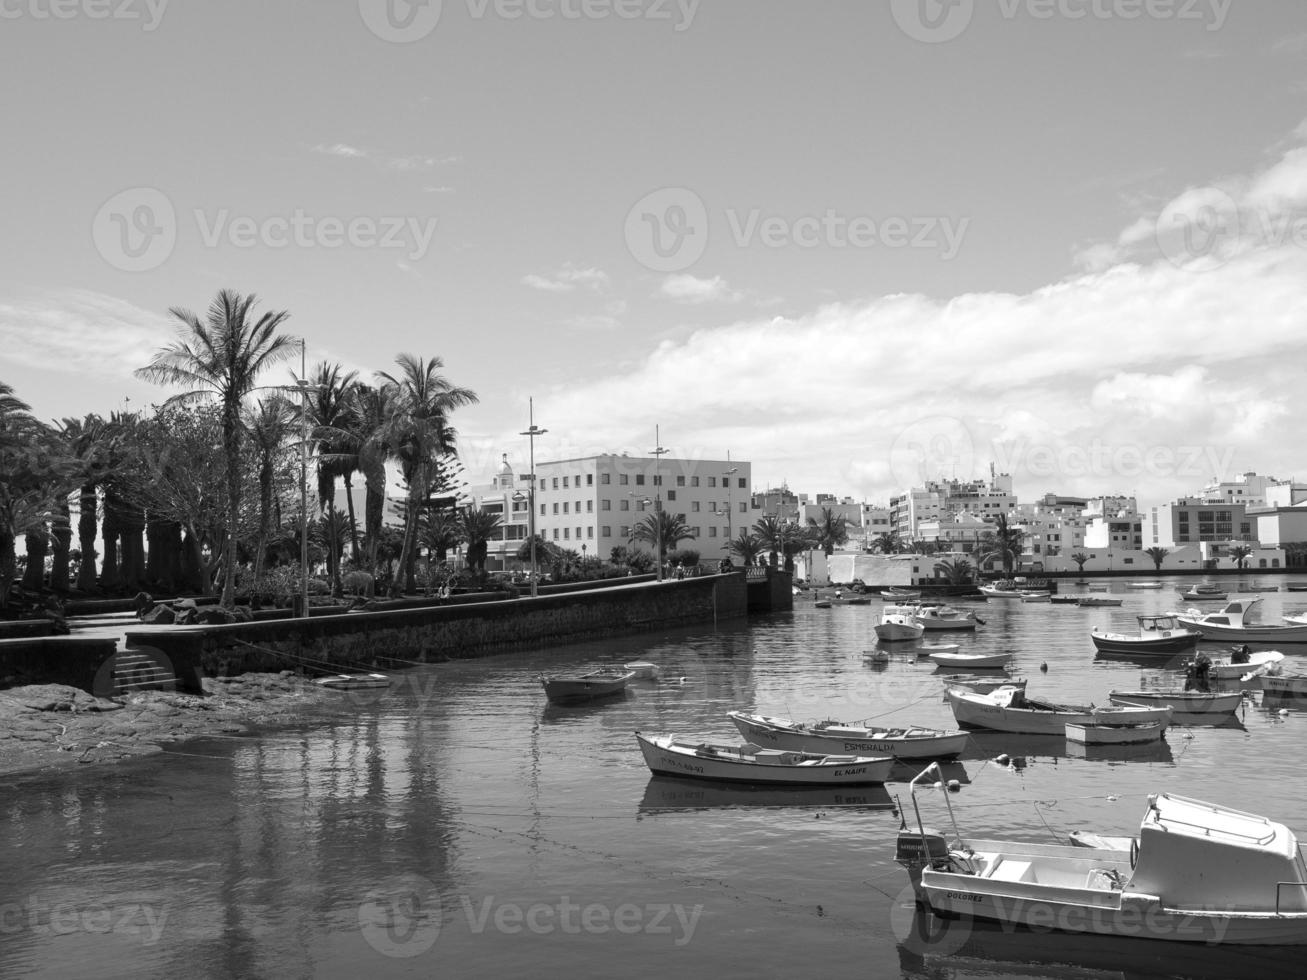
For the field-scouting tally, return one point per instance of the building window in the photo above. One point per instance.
(542, 510)
(566, 535)
(564, 483)
(694, 506)
(555, 508)
(605, 479)
(555, 483)
(680, 481)
(742, 484)
(589, 479)
(564, 506)
(671, 494)
(694, 481)
(626, 530)
(658, 480)
(606, 531)
(744, 508)
(623, 479)
(605, 505)
(712, 481)
(694, 530)
(590, 532)
(712, 530)
(639, 479)
(589, 506)
(555, 534)
(624, 505)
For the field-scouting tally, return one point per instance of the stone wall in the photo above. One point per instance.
(73, 660)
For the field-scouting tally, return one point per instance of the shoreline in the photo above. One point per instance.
(47, 728)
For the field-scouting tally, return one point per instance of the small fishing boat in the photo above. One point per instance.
(1182, 702)
(980, 684)
(669, 755)
(1092, 733)
(1198, 873)
(860, 738)
(1145, 585)
(1206, 592)
(1295, 586)
(1036, 597)
(899, 623)
(876, 656)
(1298, 619)
(1228, 624)
(1007, 709)
(998, 592)
(1098, 600)
(1064, 599)
(642, 670)
(1242, 664)
(1285, 683)
(1157, 634)
(353, 682)
(945, 618)
(970, 661)
(897, 594)
(822, 604)
(599, 683)
(930, 649)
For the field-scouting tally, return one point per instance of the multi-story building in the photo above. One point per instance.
(505, 497)
(1193, 520)
(593, 504)
(938, 500)
(1248, 489)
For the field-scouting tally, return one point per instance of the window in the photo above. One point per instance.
(555, 534)
(712, 481)
(555, 483)
(606, 531)
(555, 508)
(605, 479)
(625, 505)
(694, 531)
(567, 536)
(658, 480)
(694, 506)
(626, 530)
(712, 506)
(589, 479)
(564, 506)
(744, 509)
(542, 510)
(671, 494)
(694, 481)
(639, 479)
(564, 483)
(589, 532)
(680, 481)
(712, 531)
(578, 534)
(742, 483)
(589, 506)
(605, 505)
(623, 479)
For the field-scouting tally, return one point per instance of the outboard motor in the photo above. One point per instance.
(916, 850)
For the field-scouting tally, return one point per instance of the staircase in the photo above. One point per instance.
(135, 670)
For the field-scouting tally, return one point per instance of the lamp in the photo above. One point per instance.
(729, 504)
(657, 453)
(531, 434)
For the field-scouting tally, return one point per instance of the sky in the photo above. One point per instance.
(857, 244)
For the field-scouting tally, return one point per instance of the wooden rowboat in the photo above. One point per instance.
(669, 755)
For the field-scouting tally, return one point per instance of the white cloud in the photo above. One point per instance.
(685, 288)
(402, 163)
(568, 279)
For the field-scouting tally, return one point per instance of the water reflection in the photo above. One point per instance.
(666, 793)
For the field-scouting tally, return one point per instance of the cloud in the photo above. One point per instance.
(400, 163)
(685, 288)
(568, 279)
(81, 332)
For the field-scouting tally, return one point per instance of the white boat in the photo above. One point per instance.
(930, 649)
(1145, 585)
(1102, 734)
(860, 738)
(943, 618)
(668, 755)
(899, 623)
(1212, 593)
(1183, 702)
(1285, 683)
(971, 661)
(353, 682)
(1300, 619)
(1199, 873)
(1228, 624)
(1098, 600)
(1036, 596)
(599, 683)
(1157, 634)
(642, 670)
(997, 592)
(981, 684)
(1243, 664)
(1007, 709)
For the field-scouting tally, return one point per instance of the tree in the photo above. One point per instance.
(956, 570)
(793, 539)
(1080, 558)
(1007, 543)
(887, 543)
(1240, 553)
(268, 425)
(546, 551)
(665, 527)
(746, 546)
(222, 357)
(1157, 554)
(478, 527)
(770, 533)
(830, 530)
(331, 409)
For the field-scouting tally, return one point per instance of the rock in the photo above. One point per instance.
(243, 614)
(142, 602)
(214, 616)
(160, 615)
(185, 617)
(185, 604)
(57, 697)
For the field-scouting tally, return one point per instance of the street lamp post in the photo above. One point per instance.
(303, 385)
(657, 453)
(531, 434)
(729, 505)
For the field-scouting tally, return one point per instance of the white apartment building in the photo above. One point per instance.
(939, 500)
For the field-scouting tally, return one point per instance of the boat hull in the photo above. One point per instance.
(1289, 684)
(1115, 734)
(354, 682)
(666, 758)
(896, 632)
(929, 744)
(1165, 645)
(946, 624)
(1248, 634)
(971, 661)
(981, 685)
(1182, 702)
(976, 712)
(585, 688)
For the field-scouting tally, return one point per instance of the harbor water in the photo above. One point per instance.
(457, 825)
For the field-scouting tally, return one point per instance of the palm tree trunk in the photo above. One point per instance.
(110, 579)
(353, 526)
(34, 576)
(8, 566)
(231, 448)
(86, 527)
(63, 540)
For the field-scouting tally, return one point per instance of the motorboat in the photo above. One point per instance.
(1206, 592)
(971, 661)
(642, 670)
(599, 683)
(1093, 733)
(1228, 624)
(945, 618)
(1157, 634)
(1198, 873)
(999, 592)
(1242, 664)
(668, 755)
(1007, 709)
(353, 682)
(1145, 585)
(980, 683)
(1299, 619)
(926, 650)
(1098, 600)
(860, 738)
(1295, 586)
(668, 794)
(1036, 596)
(897, 594)
(1064, 599)
(899, 623)
(1285, 683)
(1182, 702)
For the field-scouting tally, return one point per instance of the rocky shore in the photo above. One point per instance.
(51, 725)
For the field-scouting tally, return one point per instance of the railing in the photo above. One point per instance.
(755, 573)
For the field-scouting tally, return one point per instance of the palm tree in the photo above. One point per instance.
(417, 433)
(440, 532)
(793, 539)
(1007, 543)
(1157, 554)
(747, 547)
(1080, 558)
(268, 427)
(956, 570)
(369, 410)
(1240, 553)
(222, 356)
(331, 408)
(830, 530)
(887, 543)
(665, 527)
(85, 439)
(770, 533)
(477, 527)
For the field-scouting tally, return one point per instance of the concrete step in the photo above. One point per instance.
(137, 671)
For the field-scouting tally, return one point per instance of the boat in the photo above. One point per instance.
(898, 594)
(599, 683)
(822, 604)
(1036, 596)
(1068, 599)
(971, 661)
(1242, 664)
(1228, 624)
(1295, 586)
(981, 684)
(1182, 702)
(945, 618)
(1145, 585)
(1007, 709)
(930, 649)
(877, 656)
(1198, 873)
(642, 670)
(1289, 683)
(1098, 600)
(1211, 593)
(998, 592)
(1085, 733)
(668, 755)
(860, 738)
(353, 682)
(1298, 619)
(899, 623)
(667, 794)
(1157, 634)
